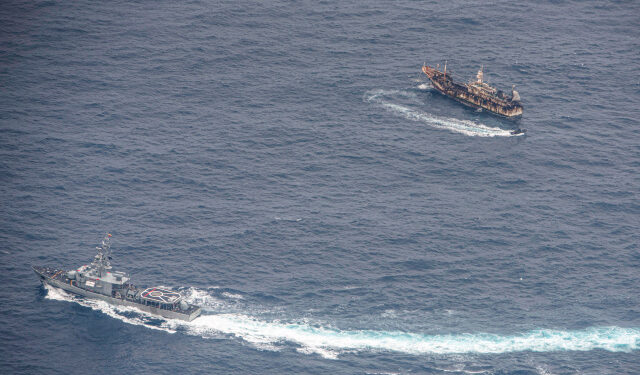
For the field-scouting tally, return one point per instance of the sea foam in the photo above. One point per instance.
(326, 340)
(330, 342)
(384, 98)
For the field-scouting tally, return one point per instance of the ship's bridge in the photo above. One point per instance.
(482, 87)
(117, 278)
(114, 278)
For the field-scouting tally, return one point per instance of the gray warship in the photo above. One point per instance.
(96, 281)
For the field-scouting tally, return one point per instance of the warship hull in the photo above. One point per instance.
(477, 95)
(57, 278)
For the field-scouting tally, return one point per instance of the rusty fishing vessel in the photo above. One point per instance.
(476, 94)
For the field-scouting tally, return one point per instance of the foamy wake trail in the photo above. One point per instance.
(470, 128)
(330, 342)
(126, 314)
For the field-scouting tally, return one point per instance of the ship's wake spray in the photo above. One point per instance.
(126, 314)
(330, 342)
(384, 98)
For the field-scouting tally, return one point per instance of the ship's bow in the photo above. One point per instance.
(429, 71)
(40, 271)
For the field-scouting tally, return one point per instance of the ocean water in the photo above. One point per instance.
(286, 166)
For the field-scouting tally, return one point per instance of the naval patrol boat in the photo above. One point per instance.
(96, 281)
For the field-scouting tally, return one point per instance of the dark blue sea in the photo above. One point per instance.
(286, 165)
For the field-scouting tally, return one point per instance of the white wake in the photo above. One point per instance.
(330, 342)
(126, 314)
(384, 98)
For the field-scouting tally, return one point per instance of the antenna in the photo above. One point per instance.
(445, 68)
(102, 258)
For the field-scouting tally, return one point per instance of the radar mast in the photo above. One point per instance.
(101, 260)
(480, 74)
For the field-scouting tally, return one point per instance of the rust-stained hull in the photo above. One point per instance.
(498, 104)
